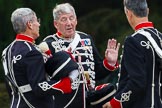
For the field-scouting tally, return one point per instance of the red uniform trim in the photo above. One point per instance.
(22, 37)
(48, 52)
(144, 25)
(64, 85)
(115, 104)
(109, 67)
(58, 33)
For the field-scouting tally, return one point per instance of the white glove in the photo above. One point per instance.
(73, 75)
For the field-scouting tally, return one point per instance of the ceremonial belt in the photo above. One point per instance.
(25, 88)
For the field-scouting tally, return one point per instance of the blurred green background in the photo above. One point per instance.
(102, 19)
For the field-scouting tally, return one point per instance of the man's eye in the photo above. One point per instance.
(63, 19)
(71, 18)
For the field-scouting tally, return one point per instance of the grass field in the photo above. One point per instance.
(4, 98)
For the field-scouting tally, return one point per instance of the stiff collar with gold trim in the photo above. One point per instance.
(144, 25)
(22, 37)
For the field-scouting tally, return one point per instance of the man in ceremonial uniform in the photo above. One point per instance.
(81, 47)
(141, 65)
(24, 66)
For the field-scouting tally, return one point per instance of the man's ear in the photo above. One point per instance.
(29, 25)
(129, 13)
(147, 11)
(55, 24)
(125, 10)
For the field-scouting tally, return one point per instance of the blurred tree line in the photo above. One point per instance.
(102, 19)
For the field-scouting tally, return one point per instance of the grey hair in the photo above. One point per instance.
(63, 8)
(138, 7)
(20, 17)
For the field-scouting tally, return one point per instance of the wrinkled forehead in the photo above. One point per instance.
(66, 15)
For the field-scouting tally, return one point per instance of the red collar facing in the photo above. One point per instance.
(144, 25)
(22, 37)
(58, 33)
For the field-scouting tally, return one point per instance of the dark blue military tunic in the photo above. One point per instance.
(25, 71)
(140, 75)
(91, 62)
